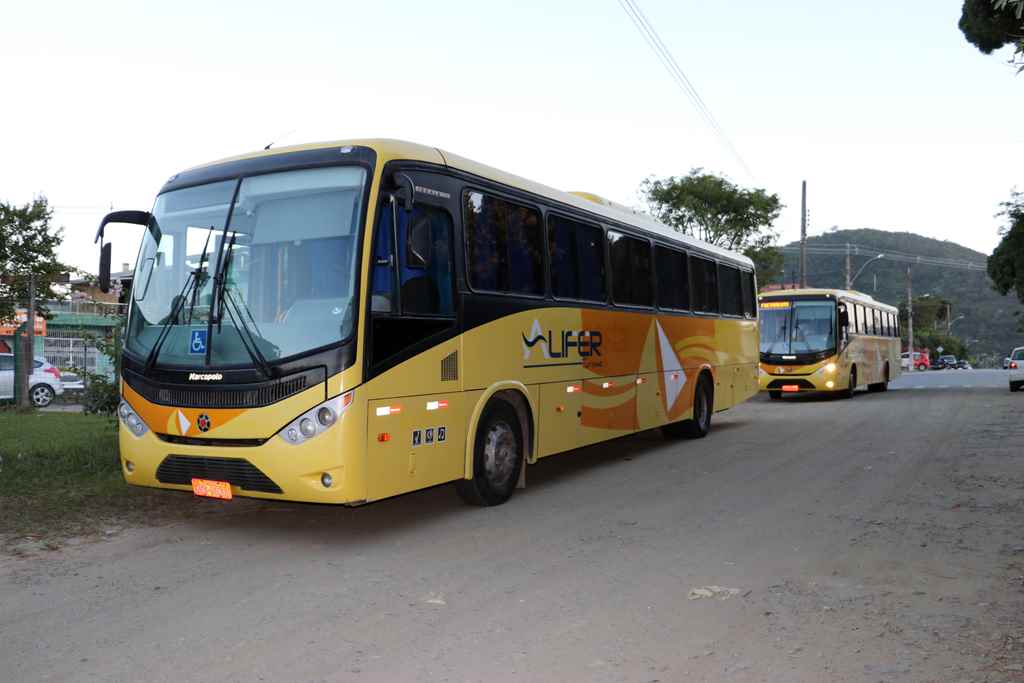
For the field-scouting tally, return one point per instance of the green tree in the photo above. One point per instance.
(718, 211)
(991, 24)
(1006, 264)
(28, 244)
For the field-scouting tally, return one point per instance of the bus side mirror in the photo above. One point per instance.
(104, 276)
(406, 190)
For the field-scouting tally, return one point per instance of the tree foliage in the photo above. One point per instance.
(991, 24)
(28, 244)
(1006, 264)
(716, 210)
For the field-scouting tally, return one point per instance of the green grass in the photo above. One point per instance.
(60, 476)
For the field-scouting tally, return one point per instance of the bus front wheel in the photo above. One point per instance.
(848, 392)
(699, 425)
(497, 457)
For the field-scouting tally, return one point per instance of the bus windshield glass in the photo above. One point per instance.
(797, 327)
(286, 245)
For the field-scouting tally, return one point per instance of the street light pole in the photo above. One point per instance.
(851, 280)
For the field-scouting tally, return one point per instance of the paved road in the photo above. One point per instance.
(878, 539)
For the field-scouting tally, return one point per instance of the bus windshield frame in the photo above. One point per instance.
(798, 329)
(295, 233)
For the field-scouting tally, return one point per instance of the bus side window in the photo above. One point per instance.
(425, 303)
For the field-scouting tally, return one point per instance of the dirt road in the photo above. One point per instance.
(878, 539)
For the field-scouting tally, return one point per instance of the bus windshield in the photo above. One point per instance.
(286, 244)
(797, 327)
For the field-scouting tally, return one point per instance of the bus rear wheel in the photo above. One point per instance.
(883, 385)
(699, 425)
(497, 457)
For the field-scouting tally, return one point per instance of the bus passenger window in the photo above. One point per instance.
(631, 270)
(730, 290)
(705, 284)
(673, 278)
(576, 255)
(749, 295)
(505, 245)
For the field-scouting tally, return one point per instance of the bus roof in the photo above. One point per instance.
(388, 150)
(849, 294)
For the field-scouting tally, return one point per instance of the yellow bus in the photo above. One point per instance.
(349, 321)
(830, 340)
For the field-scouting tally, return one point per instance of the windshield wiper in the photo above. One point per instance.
(193, 282)
(170, 321)
(241, 326)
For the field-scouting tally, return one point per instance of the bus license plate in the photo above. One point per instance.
(211, 489)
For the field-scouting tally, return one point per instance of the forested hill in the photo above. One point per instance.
(990, 322)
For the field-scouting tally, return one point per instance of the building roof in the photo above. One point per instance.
(388, 150)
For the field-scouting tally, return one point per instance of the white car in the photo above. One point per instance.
(1017, 369)
(44, 383)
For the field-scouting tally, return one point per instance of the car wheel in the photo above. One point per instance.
(497, 457)
(41, 395)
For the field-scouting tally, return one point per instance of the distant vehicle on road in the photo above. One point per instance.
(921, 361)
(963, 364)
(829, 340)
(948, 361)
(1016, 369)
(44, 383)
(1006, 362)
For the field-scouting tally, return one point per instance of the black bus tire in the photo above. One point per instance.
(497, 457)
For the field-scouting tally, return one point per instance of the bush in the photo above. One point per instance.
(101, 396)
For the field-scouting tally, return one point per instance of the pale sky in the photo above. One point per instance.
(892, 118)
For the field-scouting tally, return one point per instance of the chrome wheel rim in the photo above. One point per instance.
(499, 453)
(40, 396)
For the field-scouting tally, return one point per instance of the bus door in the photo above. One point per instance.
(415, 430)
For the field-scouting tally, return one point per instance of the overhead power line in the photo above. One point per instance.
(861, 250)
(661, 51)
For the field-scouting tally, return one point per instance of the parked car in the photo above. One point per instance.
(938, 364)
(72, 382)
(44, 383)
(920, 361)
(1016, 369)
(1006, 362)
(948, 360)
(963, 364)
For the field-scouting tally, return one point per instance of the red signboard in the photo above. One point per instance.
(20, 316)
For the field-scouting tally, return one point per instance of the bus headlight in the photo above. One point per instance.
(317, 420)
(830, 368)
(131, 420)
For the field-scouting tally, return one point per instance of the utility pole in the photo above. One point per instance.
(949, 322)
(910, 321)
(803, 234)
(848, 265)
(28, 355)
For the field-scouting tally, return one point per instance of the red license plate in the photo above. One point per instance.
(790, 388)
(211, 489)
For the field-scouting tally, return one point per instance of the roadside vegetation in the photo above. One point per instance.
(60, 477)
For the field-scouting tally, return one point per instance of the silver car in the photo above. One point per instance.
(44, 383)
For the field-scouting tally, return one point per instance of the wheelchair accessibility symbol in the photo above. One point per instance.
(197, 343)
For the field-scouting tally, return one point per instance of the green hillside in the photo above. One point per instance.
(990, 324)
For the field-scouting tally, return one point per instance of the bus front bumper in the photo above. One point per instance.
(273, 470)
(800, 380)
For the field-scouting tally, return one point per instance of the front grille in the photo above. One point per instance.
(182, 469)
(254, 395)
(193, 441)
(802, 383)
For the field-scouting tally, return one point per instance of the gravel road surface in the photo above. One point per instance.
(877, 539)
